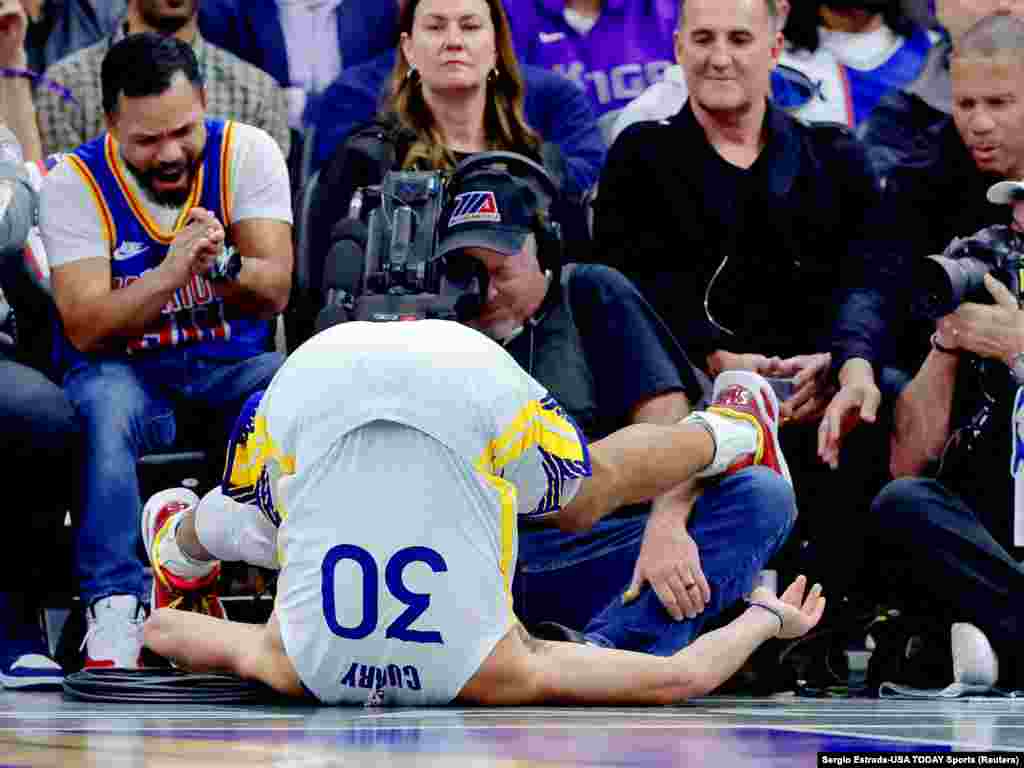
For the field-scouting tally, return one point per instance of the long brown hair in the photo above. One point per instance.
(504, 124)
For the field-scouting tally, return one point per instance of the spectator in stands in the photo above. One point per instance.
(169, 240)
(38, 437)
(584, 332)
(879, 47)
(953, 516)
(823, 98)
(610, 50)
(907, 127)
(236, 90)
(556, 109)
(303, 44)
(60, 27)
(743, 228)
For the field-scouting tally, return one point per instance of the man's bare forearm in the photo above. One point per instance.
(636, 464)
(98, 320)
(262, 288)
(923, 414)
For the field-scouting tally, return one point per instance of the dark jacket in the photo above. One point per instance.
(904, 128)
(68, 26)
(791, 277)
(251, 29)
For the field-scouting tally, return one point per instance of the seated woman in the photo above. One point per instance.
(456, 90)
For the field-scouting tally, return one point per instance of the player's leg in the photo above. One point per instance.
(200, 643)
(643, 461)
(522, 670)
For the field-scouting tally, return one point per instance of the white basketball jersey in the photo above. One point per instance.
(395, 458)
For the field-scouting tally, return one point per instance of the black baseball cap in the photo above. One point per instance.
(488, 210)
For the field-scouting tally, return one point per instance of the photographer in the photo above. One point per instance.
(948, 529)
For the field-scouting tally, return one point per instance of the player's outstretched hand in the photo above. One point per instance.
(800, 614)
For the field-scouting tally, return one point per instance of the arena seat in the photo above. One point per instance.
(304, 302)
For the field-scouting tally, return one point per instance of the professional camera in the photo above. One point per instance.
(388, 269)
(945, 282)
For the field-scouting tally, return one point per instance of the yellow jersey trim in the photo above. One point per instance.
(106, 218)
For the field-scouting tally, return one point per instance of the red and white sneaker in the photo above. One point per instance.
(113, 637)
(177, 583)
(743, 418)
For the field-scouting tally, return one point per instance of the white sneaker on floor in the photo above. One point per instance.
(114, 634)
(974, 660)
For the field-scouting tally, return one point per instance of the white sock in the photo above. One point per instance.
(733, 438)
(174, 559)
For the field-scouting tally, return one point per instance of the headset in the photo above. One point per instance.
(373, 284)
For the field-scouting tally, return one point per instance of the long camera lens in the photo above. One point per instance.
(943, 284)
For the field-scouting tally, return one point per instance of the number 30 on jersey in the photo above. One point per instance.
(418, 603)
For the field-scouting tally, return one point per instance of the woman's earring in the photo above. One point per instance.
(412, 75)
(492, 76)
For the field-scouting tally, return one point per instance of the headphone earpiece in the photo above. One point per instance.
(549, 241)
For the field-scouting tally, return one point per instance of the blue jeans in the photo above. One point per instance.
(578, 580)
(934, 555)
(127, 409)
(39, 442)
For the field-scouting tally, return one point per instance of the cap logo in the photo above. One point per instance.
(474, 206)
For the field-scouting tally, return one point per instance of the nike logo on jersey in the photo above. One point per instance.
(128, 249)
(551, 37)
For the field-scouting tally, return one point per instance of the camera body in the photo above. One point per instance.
(947, 281)
(383, 264)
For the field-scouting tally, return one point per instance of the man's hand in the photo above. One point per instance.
(670, 563)
(721, 360)
(195, 247)
(799, 615)
(857, 400)
(812, 390)
(994, 332)
(13, 27)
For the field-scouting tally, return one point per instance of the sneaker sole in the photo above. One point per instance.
(761, 390)
(30, 684)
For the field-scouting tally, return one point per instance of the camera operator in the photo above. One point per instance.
(587, 335)
(948, 530)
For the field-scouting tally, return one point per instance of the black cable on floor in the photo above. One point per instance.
(164, 686)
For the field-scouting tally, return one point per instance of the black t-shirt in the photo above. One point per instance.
(631, 354)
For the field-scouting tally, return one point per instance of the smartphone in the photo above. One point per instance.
(784, 388)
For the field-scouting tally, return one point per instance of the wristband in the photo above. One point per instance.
(940, 348)
(38, 79)
(773, 612)
(227, 267)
